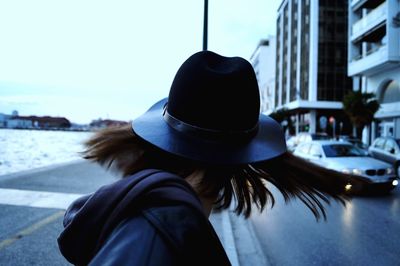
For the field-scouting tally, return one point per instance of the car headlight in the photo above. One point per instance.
(356, 171)
(395, 182)
(348, 187)
(389, 171)
(346, 171)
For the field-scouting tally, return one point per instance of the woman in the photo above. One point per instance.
(203, 145)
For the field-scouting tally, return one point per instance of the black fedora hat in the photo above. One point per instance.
(212, 114)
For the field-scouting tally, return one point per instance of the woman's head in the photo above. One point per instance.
(212, 114)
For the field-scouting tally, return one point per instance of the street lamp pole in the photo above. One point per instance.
(205, 25)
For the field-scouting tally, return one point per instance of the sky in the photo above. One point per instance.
(90, 59)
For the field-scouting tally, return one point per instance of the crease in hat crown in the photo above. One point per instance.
(214, 92)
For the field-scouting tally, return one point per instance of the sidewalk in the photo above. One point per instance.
(238, 238)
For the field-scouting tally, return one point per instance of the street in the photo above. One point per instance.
(366, 232)
(32, 206)
(28, 234)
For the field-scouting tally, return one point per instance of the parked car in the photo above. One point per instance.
(346, 158)
(387, 149)
(355, 141)
(294, 141)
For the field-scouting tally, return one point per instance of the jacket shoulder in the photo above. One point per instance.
(178, 224)
(166, 235)
(135, 242)
(189, 233)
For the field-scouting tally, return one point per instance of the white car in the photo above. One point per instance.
(387, 149)
(346, 158)
(294, 141)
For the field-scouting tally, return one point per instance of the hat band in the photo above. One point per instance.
(212, 134)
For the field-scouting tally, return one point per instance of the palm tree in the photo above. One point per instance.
(361, 108)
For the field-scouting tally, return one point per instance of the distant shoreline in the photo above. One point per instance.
(52, 129)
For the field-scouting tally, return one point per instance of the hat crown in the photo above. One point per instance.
(215, 92)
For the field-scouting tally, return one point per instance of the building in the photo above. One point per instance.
(100, 123)
(311, 65)
(3, 120)
(48, 122)
(374, 59)
(31, 122)
(19, 122)
(263, 61)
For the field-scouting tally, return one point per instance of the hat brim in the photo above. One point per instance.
(268, 143)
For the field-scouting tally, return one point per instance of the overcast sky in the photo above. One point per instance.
(86, 59)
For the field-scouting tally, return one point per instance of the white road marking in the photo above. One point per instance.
(39, 199)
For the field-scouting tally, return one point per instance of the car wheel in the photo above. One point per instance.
(398, 170)
(396, 167)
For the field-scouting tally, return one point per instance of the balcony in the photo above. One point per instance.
(371, 21)
(374, 60)
(357, 4)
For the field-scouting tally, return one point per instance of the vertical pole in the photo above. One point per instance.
(205, 25)
(334, 129)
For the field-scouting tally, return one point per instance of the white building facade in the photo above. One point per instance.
(19, 123)
(311, 63)
(263, 61)
(374, 59)
(3, 120)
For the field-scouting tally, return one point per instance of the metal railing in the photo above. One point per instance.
(377, 49)
(370, 20)
(354, 2)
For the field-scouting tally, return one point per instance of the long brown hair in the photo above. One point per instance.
(121, 149)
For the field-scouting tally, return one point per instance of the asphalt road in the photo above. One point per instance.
(28, 234)
(365, 232)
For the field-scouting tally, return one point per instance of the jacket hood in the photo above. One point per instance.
(90, 219)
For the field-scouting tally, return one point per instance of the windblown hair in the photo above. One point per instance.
(119, 148)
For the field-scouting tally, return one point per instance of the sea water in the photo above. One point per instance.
(28, 149)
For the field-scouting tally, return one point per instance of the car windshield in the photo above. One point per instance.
(320, 137)
(358, 143)
(340, 150)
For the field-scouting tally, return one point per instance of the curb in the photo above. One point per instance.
(248, 248)
(229, 240)
(262, 258)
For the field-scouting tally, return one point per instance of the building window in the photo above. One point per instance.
(332, 81)
(278, 57)
(293, 58)
(391, 92)
(285, 55)
(305, 51)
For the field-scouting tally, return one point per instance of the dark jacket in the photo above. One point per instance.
(150, 218)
